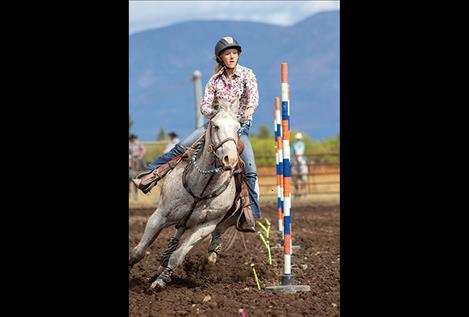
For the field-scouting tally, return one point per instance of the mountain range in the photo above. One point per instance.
(162, 61)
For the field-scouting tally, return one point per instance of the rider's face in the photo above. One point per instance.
(230, 57)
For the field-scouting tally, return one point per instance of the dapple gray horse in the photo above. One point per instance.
(202, 202)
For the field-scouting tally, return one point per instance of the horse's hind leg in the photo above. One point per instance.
(198, 234)
(155, 224)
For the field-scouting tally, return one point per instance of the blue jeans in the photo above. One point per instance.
(250, 173)
(250, 170)
(180, 148)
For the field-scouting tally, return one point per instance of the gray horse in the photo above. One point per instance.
(197, 196)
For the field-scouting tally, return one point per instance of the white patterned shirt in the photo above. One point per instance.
(241, 86)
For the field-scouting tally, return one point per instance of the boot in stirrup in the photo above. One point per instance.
(145, 181)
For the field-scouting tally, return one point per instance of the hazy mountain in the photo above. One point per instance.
(162, 60)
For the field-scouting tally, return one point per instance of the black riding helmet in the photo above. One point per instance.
(226, 43)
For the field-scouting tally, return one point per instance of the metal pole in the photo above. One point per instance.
(197, 78)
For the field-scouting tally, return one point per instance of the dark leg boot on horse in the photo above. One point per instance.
(158, 169)
(250, 206)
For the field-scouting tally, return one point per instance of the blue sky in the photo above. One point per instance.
(145, 15)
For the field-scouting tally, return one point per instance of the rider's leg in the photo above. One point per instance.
(180, 148)
(165, 158)
(147, 180)
(250, 174)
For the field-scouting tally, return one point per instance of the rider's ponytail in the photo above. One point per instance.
(219, 65)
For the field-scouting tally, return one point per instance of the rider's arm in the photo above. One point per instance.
(252, 94)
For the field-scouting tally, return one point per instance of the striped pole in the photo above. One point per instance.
(288, 285)
(287, 243)
(279, 165)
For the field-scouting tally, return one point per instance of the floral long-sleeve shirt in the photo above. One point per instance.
(241, 86)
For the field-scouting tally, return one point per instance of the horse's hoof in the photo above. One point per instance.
(159, 283)
(212, 258)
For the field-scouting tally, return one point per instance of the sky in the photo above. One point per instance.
(144, 15)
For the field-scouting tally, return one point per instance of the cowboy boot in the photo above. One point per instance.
(145, 181)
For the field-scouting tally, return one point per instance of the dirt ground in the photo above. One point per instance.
(229, 285)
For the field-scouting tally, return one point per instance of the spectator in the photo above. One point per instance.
(299, 165)
(173, 140)
(137, 151)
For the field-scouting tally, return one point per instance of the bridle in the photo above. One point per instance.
(214, 147)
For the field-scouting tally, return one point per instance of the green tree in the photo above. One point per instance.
(162, 135)
(264, 132)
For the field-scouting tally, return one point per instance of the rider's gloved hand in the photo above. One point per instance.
(244, 128)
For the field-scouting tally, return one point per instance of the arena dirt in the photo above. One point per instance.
(229, 285)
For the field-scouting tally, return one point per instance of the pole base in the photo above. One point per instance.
(288, 289)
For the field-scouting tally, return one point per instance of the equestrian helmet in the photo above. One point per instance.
(225, 43)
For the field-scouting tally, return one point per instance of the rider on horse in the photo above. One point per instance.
(230, 83)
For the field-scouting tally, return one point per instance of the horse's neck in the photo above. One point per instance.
(205, 161)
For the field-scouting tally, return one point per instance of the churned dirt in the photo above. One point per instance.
(229, 285)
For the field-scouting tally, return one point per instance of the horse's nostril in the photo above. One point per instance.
(226, 160)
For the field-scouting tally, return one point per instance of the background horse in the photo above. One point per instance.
(197, 195)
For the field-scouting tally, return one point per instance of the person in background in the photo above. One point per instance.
(173, 140)
(299, 165)
(137, 151)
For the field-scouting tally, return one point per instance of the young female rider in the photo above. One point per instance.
(229, 82)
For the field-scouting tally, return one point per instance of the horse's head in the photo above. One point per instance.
(223, 137)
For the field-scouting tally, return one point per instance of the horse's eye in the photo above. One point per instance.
(216, 127)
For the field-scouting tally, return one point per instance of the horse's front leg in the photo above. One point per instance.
(199, 233)
(172, 245)
(155, 224)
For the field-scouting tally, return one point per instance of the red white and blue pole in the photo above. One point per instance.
(287, 241)
(279, 166)
(288, 285)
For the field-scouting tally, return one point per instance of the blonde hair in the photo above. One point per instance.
(217, 68)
